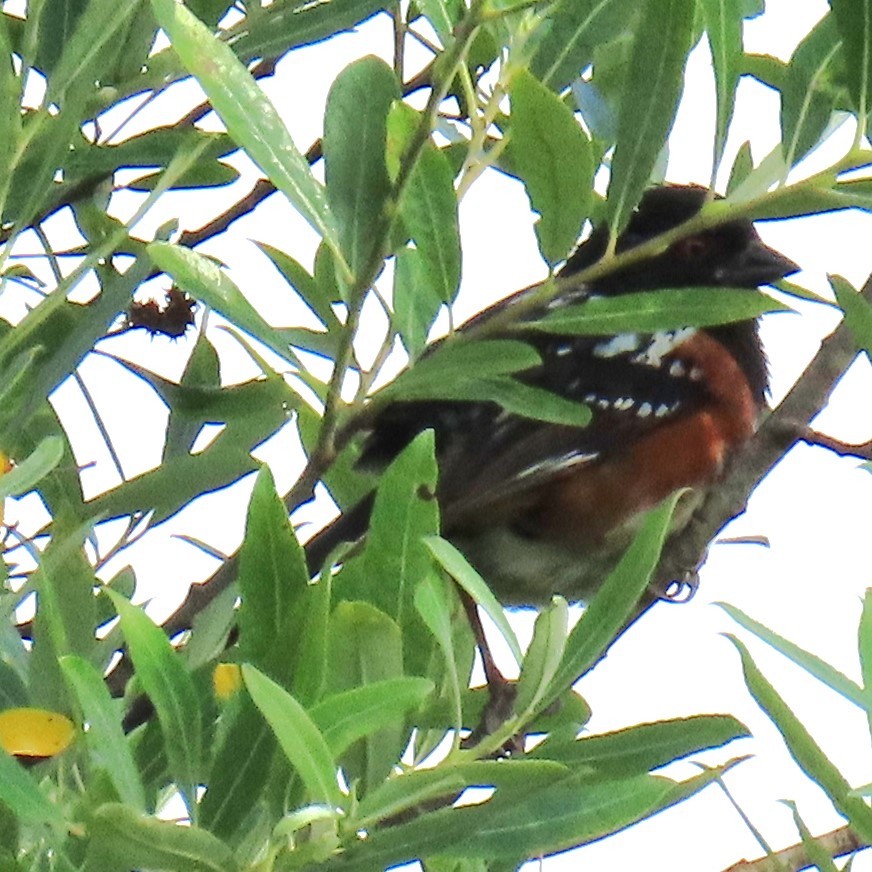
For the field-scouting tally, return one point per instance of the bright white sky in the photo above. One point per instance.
(814, 508)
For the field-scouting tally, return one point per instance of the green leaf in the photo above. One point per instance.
(273, 582)
(428, 207)
(65, 620)
(854, 21)
(552, 155)
(648, 311)
(203, 279)
(395, 559)
(615, 601)
(87, 46)
(107, 744)
(723, 24)
(649, 101)
(811, 663)
(202, 175)
(170, 687)
(543, 657)
(247, 113)
(288, 24)
(309, 291)
(252, 412)
(122, 838)
(457, 566)
(640, 749)
(417, 787)
(742, 167)
(513, 395)
(10, 115)
(431, 601)
(816, 852)
(438, 13)
(201, 376)
(240, 767)
(864, 646)
(298, 736)
(365, 648)
(573, 29)
(355, 137)
(30, 471)
(808, 755)
(20, 791)
(460, 360)
(858, 312)
(808, 95)
(416, 303)
(345, 717)
(521, 823)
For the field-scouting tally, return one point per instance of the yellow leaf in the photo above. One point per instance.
(226, 680)
(33, 732)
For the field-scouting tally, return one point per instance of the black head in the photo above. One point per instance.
(730, 255)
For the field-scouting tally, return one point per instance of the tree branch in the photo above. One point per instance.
(837, 843)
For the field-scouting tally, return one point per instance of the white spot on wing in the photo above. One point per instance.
(623, 343)
(557, 464)
(661, 344)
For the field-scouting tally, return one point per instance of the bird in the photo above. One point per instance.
(543, 508)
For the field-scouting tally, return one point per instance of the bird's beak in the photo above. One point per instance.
(759, 265)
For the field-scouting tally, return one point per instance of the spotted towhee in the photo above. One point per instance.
(541, 508)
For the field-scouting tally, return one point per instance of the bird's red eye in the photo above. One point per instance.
(691, 248)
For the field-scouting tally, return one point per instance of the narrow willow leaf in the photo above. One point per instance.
(640, 749)
(366, 647)
(33, 468)
(204, 280)
(20, 791)
(273, 581)
(668, 309)
(431, 601)
(543, 657)
(615, 601)
(816, 852)
(864, 646)
(526, 822)
(457, 566)
(742, 166)
(858, 312)
(811, 663)
(240, 768)
(170, 687)
(121, 838)
(247, 113)
(299, 737)
(287, 25)
(808, 95)
(107, 744)
(456, 360)
(574, 28)
(854, 21)
(416, 303)
(416, 787)
(345, 717)
(552, 155)
(649, 101)
(355, 137)
(723, 24)
(808, 755)
(428, 207)
(304, 284)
